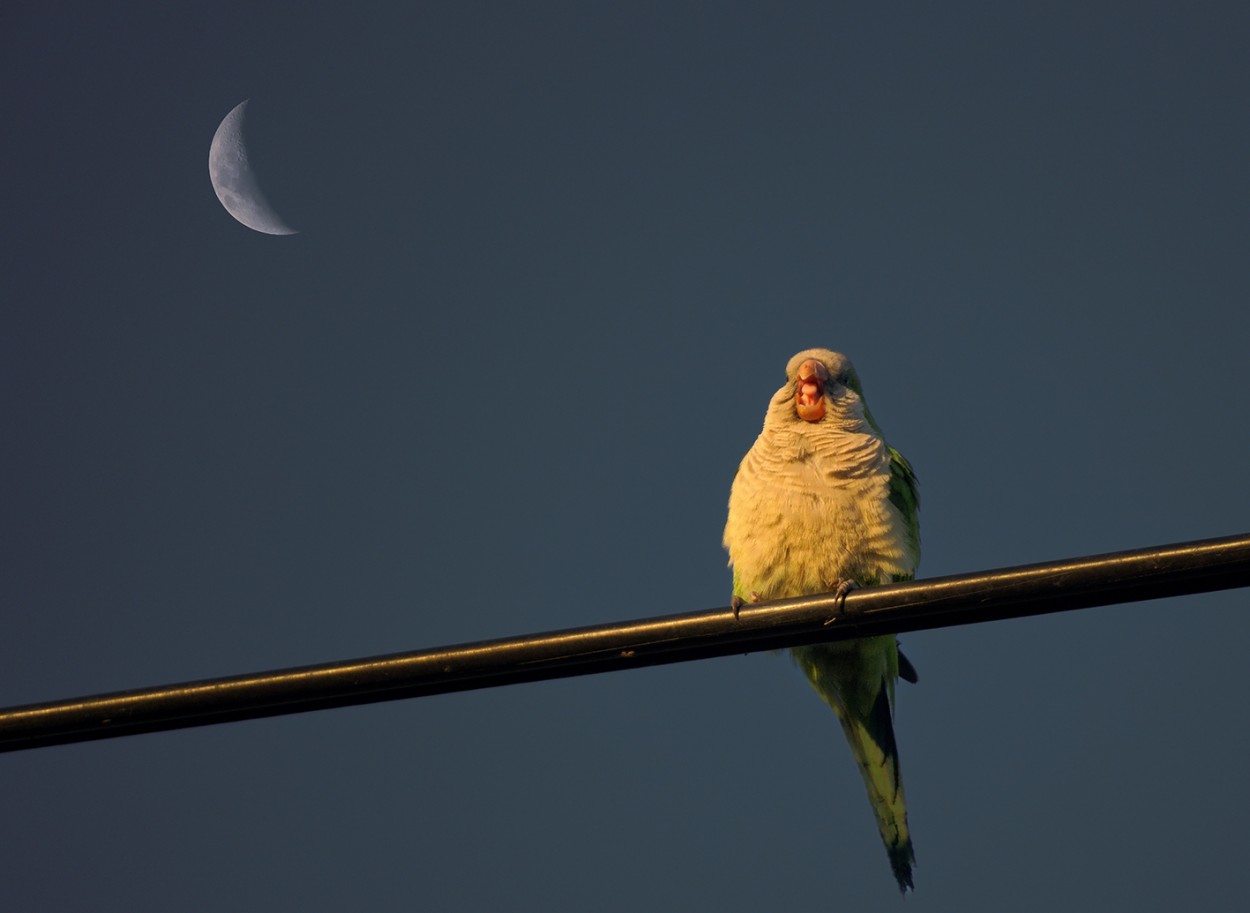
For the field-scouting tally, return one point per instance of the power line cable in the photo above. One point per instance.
(1035, 589)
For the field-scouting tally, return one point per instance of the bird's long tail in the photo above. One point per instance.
(857, 685)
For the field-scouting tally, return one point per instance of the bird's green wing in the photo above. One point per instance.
(905, 496)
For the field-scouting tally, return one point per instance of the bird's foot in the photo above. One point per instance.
(738, 602)
(839, 593)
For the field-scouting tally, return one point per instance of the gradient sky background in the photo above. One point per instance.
(553, 260)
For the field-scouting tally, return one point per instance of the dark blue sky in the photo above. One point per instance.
(552, 262)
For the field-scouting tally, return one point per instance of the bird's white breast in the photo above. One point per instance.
(805, 515)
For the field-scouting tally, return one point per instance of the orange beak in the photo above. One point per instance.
(809, 398)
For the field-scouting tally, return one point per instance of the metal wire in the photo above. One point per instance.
(1150, 573)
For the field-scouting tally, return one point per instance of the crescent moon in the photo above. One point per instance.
(234, 180)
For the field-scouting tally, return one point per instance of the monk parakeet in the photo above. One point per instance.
(822, 504)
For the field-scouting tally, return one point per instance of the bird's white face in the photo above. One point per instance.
(820, 385)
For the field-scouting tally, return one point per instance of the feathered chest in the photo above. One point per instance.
(804, 515)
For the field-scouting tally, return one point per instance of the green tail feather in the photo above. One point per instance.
(843, 674)
(872, 741)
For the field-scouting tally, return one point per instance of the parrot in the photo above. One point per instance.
(821, 504)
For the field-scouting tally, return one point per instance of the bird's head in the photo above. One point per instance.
(821, 388)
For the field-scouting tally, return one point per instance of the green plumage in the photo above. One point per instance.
(821, 503)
